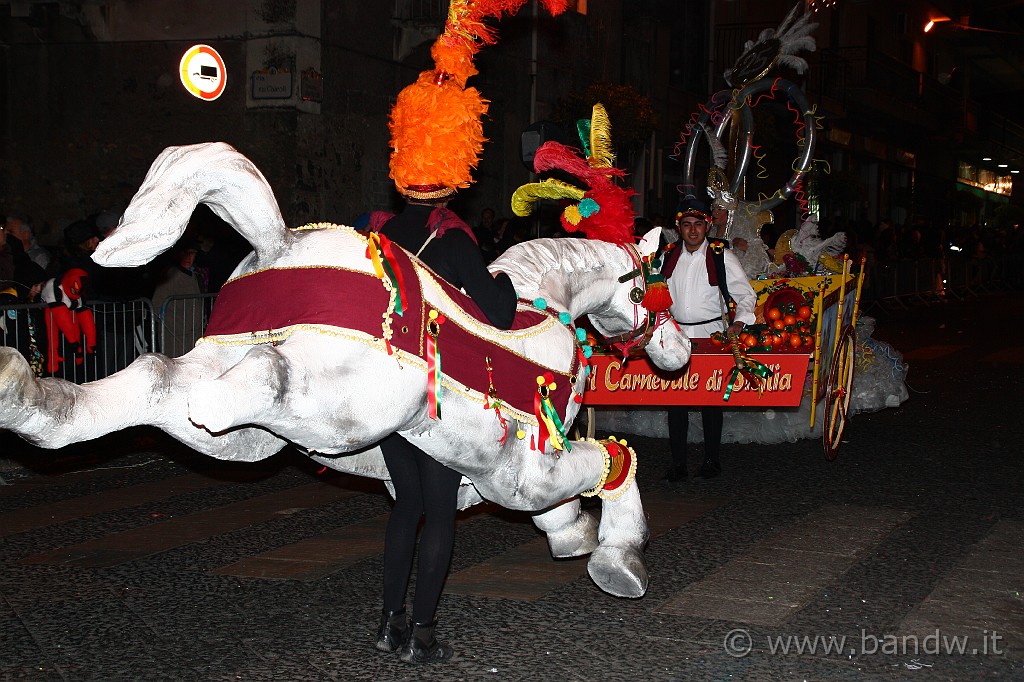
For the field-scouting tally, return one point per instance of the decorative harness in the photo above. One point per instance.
(636, 340)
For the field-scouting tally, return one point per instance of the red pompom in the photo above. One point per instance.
(657, 299)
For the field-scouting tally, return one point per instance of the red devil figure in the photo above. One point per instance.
(67, 313)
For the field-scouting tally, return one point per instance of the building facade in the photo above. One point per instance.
(91, 94)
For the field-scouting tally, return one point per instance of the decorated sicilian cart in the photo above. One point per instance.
(802, 347)
(801, 351)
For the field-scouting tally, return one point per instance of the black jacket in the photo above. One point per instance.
(455, 257)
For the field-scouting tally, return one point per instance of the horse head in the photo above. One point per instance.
(627, 325)
(605, 282)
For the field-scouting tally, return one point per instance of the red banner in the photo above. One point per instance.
(701, 382)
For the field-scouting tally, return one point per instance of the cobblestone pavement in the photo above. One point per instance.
(132, 558)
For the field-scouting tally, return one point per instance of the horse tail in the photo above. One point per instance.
(181, 178)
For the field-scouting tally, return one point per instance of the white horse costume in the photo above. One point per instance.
(335, 391)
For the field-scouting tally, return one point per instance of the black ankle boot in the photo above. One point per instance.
(422, 647)
(393, 631)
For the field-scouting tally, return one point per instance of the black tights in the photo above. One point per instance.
(423, 487)
(679, 428)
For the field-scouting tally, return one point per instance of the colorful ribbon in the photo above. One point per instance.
(753, 371)
(434, 365)
(550, 425)
(386, 266)
(491, 401)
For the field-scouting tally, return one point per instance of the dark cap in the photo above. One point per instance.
(187, 245)
(79, 231)
(691, 205)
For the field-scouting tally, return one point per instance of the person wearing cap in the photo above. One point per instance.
(436, 137)
(691, 271)
(105, 221)
(81, 238)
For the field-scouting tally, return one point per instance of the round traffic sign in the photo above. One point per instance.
(203, 72)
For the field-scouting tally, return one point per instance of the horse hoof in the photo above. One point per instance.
(577, 539)
(619, 571)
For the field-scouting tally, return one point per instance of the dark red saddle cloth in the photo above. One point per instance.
(278, 298)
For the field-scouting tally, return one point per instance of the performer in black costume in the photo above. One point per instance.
(436, 136)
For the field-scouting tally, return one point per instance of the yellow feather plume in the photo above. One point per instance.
(526, 196)
(601, 154)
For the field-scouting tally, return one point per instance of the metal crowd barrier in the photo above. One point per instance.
(181, 321)
(956, 275)
(124, 331)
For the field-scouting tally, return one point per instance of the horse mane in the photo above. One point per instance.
(528, 262)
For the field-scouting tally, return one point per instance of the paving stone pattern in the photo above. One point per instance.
(132, 558)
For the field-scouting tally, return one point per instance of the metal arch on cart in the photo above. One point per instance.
(726, 108)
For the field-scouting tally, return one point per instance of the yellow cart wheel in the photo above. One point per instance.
(838, 392)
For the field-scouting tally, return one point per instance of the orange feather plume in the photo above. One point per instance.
(436, 129)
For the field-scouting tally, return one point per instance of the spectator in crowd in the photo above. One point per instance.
(122, 283)
(910, 241)
(854, 249)
(506, 233)
(105, 221)
(21, 329)
(641, 226)
(6, 257)
(181, 320)
(20, 227)
(17, 268)
(719, 225)
(669, 232)
(886, 242)
(221, 248)
(80, 240)
(484, 233)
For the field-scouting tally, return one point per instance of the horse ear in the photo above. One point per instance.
(648, 246)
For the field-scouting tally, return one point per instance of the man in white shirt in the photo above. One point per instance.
(697, 305)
